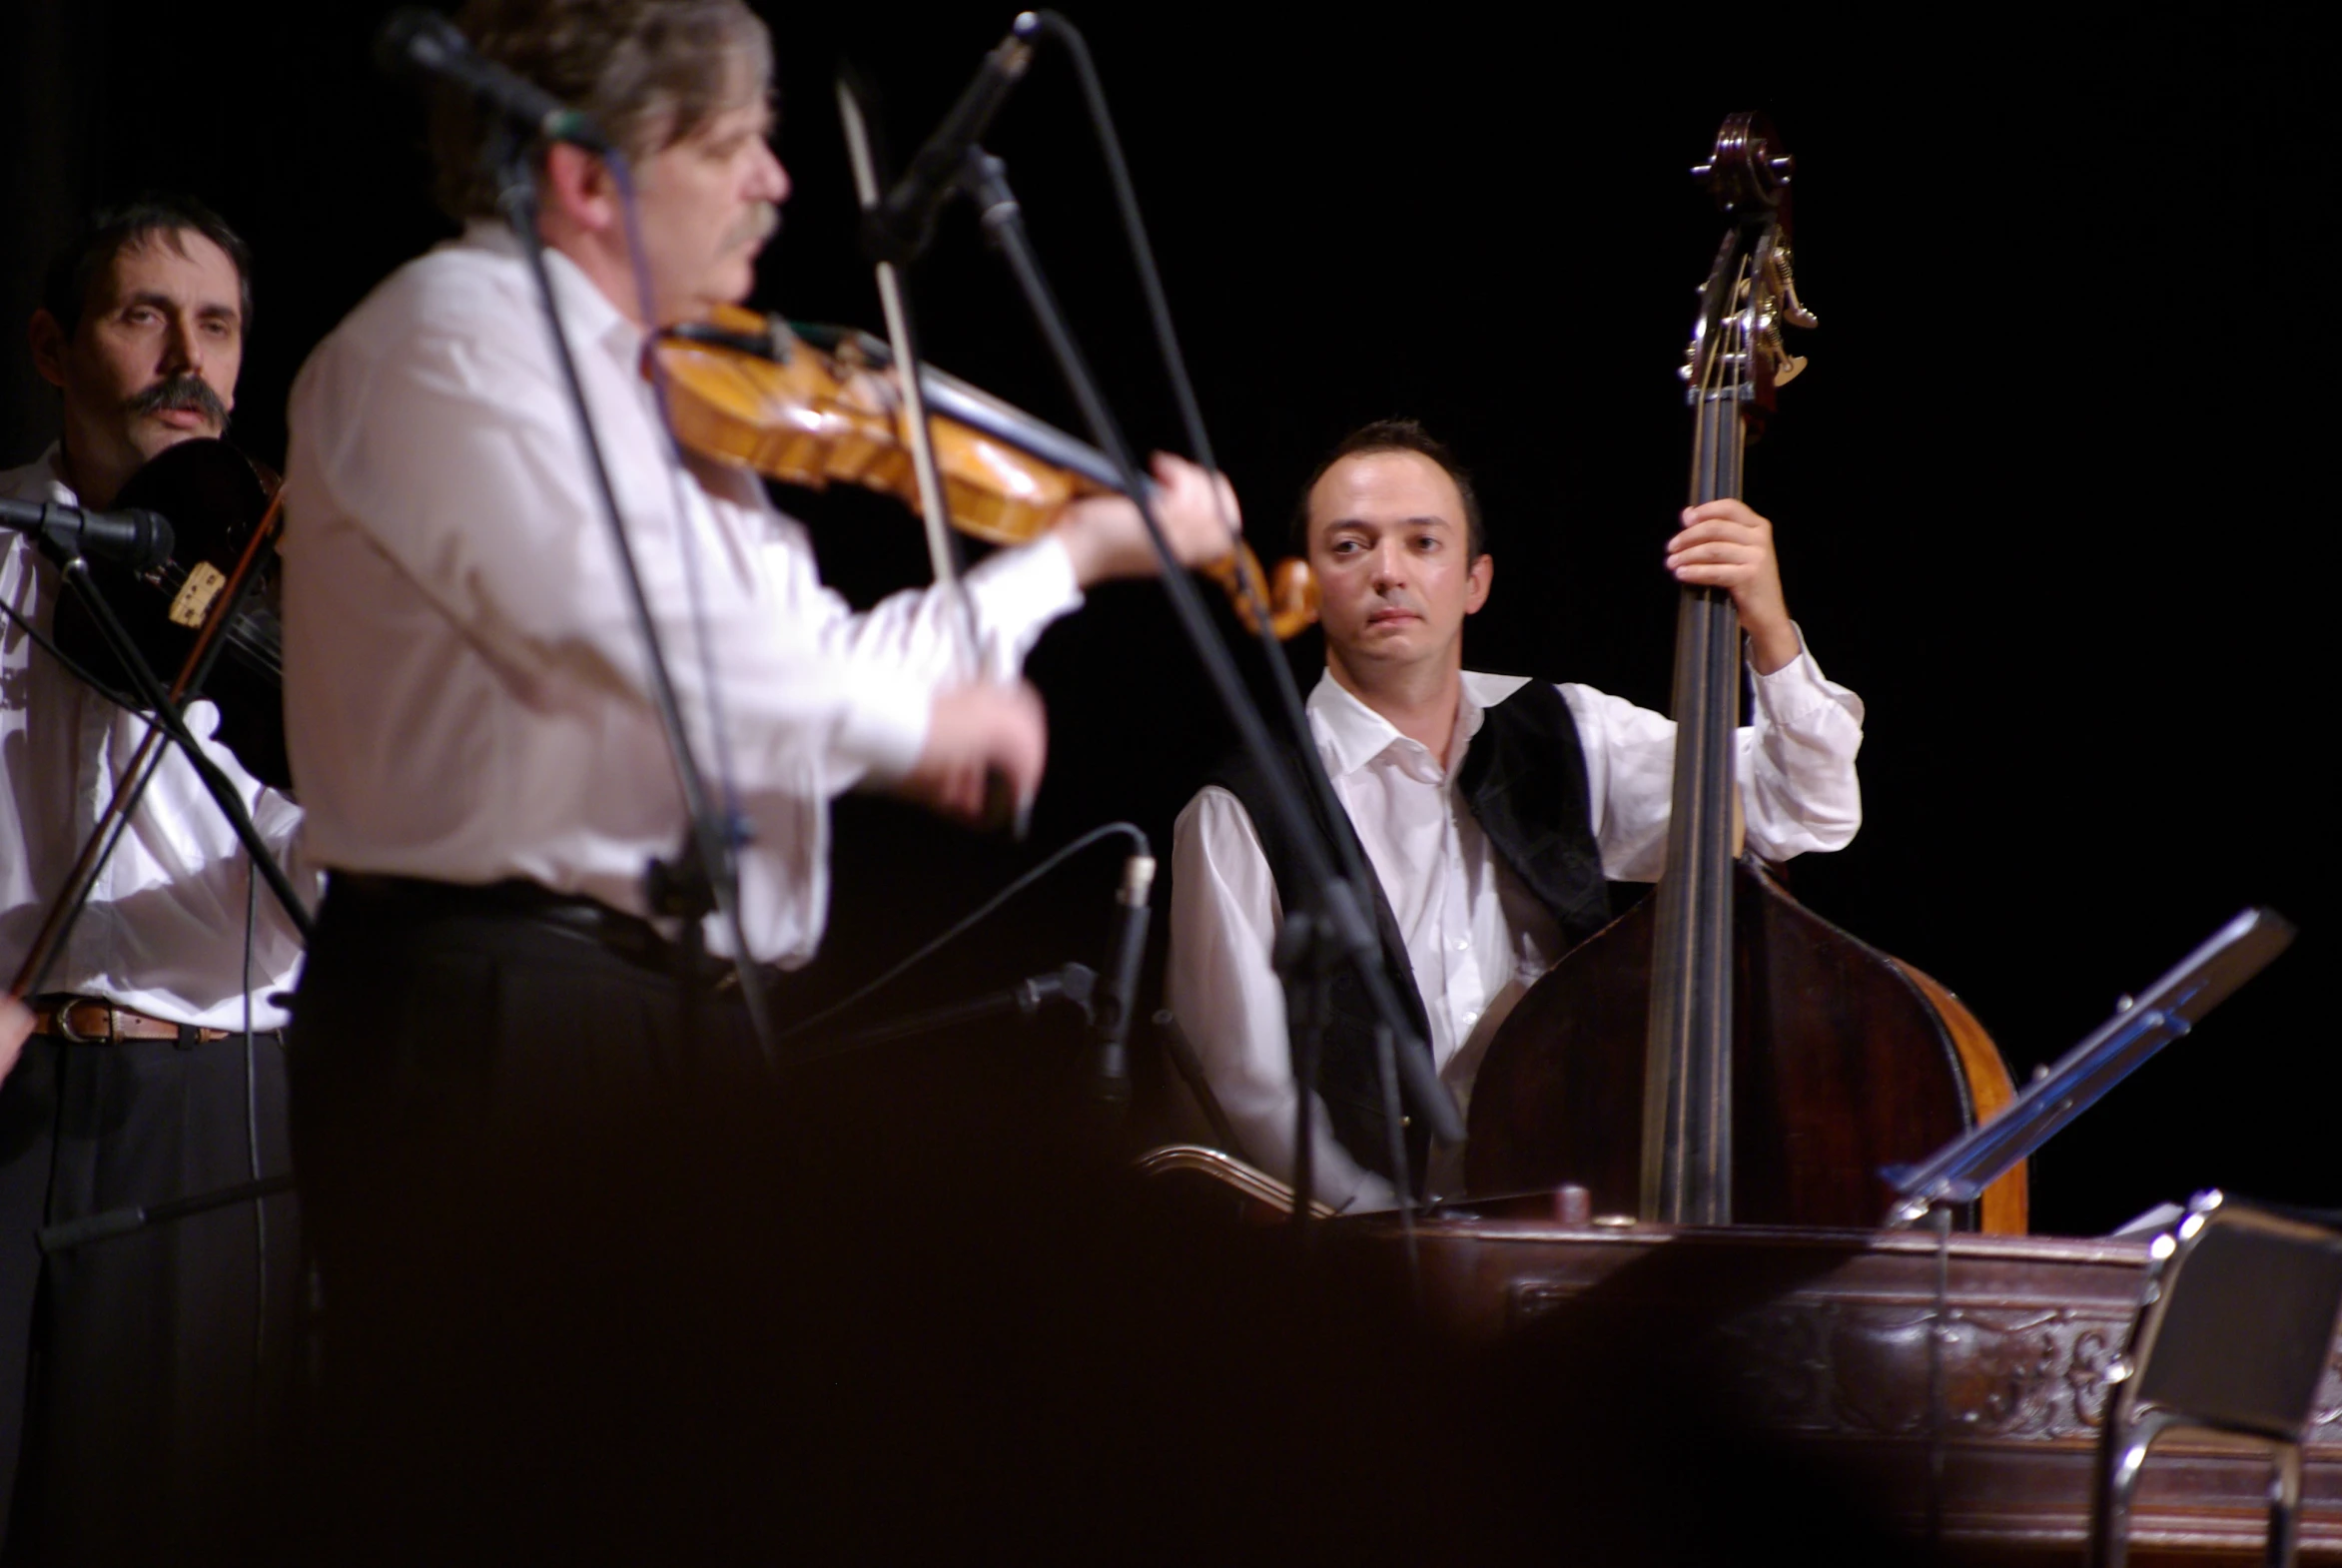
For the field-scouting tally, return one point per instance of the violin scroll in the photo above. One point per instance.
(1292, 596)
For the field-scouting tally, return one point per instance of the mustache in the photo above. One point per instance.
(181, 392)
(759, 224)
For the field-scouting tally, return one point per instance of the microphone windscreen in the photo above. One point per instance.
(414, 37)
(151, 540)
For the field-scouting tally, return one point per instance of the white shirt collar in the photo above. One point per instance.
(1352, 734)
(586, 312)
(42, 480)
(52, 462)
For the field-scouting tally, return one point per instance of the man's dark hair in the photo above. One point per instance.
(107, 231)
(1396, 435)
(648, 71)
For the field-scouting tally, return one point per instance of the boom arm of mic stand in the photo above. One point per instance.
(1288, 698)
(985, 180)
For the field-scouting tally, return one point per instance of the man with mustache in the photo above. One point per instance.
(487, 1058)
(1427, 758)
(154, 1067)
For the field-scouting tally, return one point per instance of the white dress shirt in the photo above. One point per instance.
(1476, 939)
(466, 699)
(162, 932)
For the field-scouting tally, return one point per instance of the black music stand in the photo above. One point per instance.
(1961, 1170)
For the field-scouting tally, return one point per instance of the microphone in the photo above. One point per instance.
(1109, 1068)
(417, 42)
(896, 229)
(140, 540)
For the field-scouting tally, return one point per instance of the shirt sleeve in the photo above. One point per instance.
(190, 857)
(1228, 1000)
(1013, 595)
(919, 637)
(1797, 786)
(462, 465)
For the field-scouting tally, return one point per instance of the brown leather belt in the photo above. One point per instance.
(88, 1020)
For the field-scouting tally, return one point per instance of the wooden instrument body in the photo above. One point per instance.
(815, 407)
(1849, 1061)
(815, 418)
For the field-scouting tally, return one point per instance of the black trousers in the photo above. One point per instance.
(141, 1376)
(548, 1207)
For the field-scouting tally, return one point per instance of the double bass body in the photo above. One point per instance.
(1844, 1061)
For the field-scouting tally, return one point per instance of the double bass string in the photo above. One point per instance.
(1719, 776)
(1683, 1081)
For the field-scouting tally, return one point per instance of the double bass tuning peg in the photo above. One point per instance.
(1793, 309)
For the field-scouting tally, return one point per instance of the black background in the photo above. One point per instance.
(2050, 496)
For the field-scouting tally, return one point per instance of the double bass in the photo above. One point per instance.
(1778, 1061)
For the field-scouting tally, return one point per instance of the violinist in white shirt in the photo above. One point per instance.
(1492, 809)
(488, 1048)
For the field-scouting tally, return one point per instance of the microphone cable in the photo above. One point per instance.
(968, 922)
(252, 1148)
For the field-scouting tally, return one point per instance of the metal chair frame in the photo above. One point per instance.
(2142, 1408)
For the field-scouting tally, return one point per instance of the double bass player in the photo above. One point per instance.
(1492, 809)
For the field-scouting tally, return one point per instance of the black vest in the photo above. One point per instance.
(1524, 779)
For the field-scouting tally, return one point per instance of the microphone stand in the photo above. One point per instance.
(1052, 23)
(703, 877)
(1338, 931)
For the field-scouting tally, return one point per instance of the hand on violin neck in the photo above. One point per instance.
(1104, 537)
(1723, 545)
(973, 732)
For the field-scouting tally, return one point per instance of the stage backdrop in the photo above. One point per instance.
(2050, 497)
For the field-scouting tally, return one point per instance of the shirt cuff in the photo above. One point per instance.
(1017, 592)
(885, 724)
(1796, 688)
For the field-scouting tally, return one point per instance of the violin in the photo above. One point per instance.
(812, 406)
(1779, 1061)
(221, 505)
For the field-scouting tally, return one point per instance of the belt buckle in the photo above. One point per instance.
(66, 1030)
